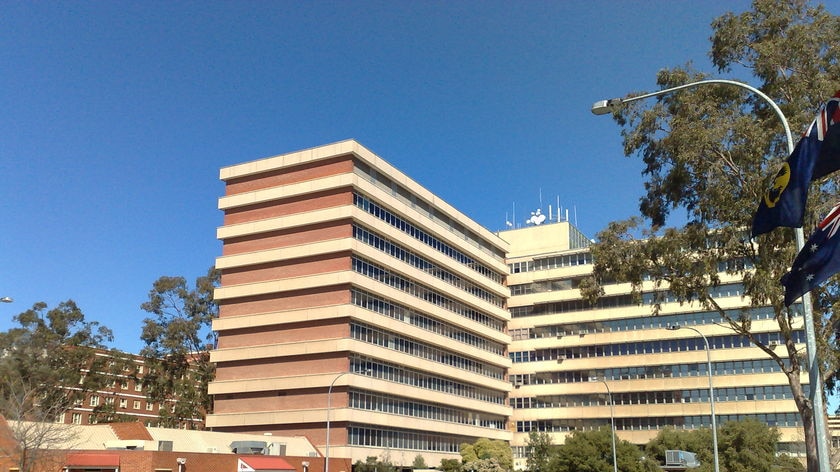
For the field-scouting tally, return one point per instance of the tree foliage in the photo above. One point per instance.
(591, 451)
(374, 464)
(49, 351)
(484, 465)
(707, 180)
(450, 465)
(483, 450)
(697, 441)
(743, 446)
(178, 342)
(539, 447)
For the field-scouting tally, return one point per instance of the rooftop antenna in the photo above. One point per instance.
(514, 215)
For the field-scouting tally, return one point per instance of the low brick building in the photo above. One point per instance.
(133, 447)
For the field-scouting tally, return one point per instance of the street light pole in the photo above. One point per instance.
(814, 378)
(612, 418)
(6, 300)
(329, 407)
(711, 390)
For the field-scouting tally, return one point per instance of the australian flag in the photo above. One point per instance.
(816, 155)
(817, 261)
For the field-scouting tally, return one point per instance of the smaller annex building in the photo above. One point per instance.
(133, 447)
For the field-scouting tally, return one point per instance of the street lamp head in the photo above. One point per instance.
(6, 300)
(602, 107)
(673, 327)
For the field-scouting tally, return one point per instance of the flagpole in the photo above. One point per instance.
(814, 377)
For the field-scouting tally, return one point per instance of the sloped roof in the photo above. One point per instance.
(95, 437)
(266, 463)
(129, 430)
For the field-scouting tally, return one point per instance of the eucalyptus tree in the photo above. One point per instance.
(50, 362)
(709, 155)
(178, 341)
(53, 353)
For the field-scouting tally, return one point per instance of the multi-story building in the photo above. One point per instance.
(123, 397)
(358, 309)
(568, 356)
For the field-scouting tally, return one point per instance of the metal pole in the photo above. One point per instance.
(612, 425)
(612, 420)
(814, 377)
(329, 406)
(711, 394)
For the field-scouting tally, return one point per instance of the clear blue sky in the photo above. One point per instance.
(116, 116)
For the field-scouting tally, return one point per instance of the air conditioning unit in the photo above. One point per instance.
(248, 447)
(681, 459)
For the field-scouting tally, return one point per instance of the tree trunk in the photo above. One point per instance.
(806, 412)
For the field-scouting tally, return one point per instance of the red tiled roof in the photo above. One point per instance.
(92, 460)
(266, 463)
(136, 430)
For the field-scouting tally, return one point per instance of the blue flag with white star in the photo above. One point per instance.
(817, 261)
(816, 155)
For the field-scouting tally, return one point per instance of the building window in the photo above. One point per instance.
(123, 403)
(77, 418)
(94, 400)
(109, 400)
(150, 406)
(136, 404)
(138, 386)
(124, 385)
